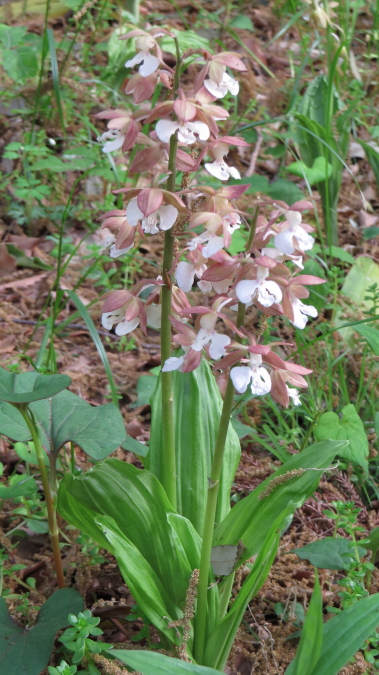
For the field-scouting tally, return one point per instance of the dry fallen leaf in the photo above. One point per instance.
(23, 283)
(7, 262)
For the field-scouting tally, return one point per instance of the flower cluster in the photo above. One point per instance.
(202, 220)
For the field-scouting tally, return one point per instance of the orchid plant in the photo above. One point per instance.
(164, 529)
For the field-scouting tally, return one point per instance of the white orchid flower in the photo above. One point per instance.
(292, 235)
(219, 168)
(153, 315)
(116, 140)
(187, 131)
(228, 84)
(150, 63)
(110, 247)
(255, 374)
(161, 219)
(301, 313)
(275, 254)
(266, 292)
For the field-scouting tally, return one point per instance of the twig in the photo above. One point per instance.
(255, 154)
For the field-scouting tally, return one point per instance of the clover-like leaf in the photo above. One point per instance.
(30, 386)
(347, 427)
(26, 651)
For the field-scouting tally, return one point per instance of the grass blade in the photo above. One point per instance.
(55, 76)
(97, 342)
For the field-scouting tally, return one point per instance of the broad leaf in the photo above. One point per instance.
(310, 645)
(136, 501)
(12, 423)
(251, 518)
(27, 651)
(98, 430)
(142, 580)
(30, 386)
(153, 663)
(363, 274)
(350, 428)
(132, 445)
(26, 485)
(197, 407)
(330, 553)
(343, 635)
(371, 336)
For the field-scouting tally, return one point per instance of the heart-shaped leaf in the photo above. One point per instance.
(98, 430)
(350, 428)
(314, 174)
(26, 651)
(30, 386)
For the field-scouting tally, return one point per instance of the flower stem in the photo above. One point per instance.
(169, 456)
(214, 485)
(51, 513)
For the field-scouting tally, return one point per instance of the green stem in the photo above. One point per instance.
(51, 514)
(169, 457)
(214, 484)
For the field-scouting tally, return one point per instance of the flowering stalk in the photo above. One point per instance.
(214, 484)
(51, 513)
(169, 458)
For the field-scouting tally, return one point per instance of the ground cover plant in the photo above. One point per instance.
(188, 338)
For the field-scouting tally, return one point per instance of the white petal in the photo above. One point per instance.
(138, 58)
(283, 241)
(107, 320)
(200, 129)
(293, 218)
(294, 394)
(154, 316)
(268, 293)
(205, 286)
(214, 245)
(218, 344)
(185, 276)
(150, 224)
(232, 84)
(202, 339)
(173, 363)
(261, 381)
(133, 212)
(217, 169)
(149, 66)
(222, 287)
(117, 252)
(305, 241)
(240, 376)
(245, 290)
(217, 90)
(116, 144)
(165, 129)
(301, 312)
(168, 215)
(125, 327)
(234, 172)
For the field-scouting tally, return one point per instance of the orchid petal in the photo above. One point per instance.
(185, 276)
(240, 376)
(173, 363)
(165, 129)
(218, 344)
(133, 212)
(168, 215)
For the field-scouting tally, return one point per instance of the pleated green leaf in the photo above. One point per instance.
(136, 501)
(142, 580)
(153, 663)
(289, 487)
(310, 645)
(197, 407)
(344, 635)
(220, 641)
